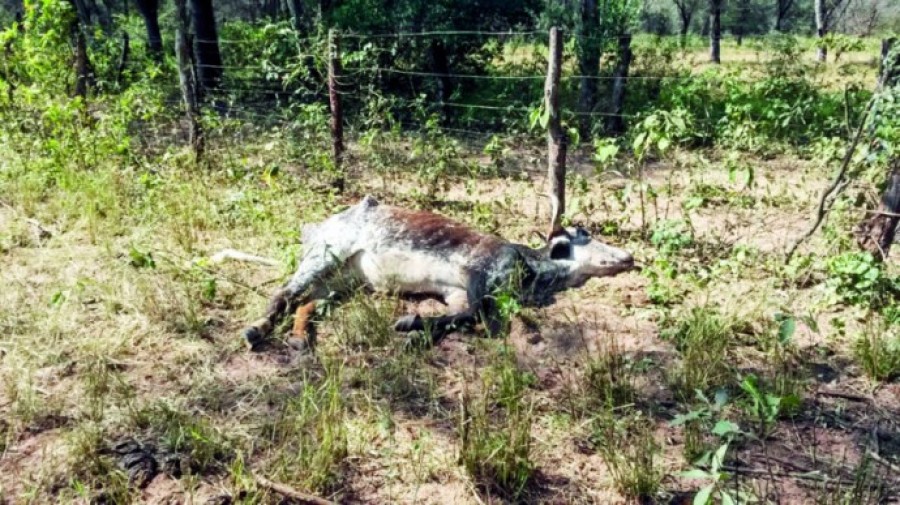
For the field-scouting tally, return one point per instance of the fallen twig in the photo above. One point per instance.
(878, 459)
(846, 396)
(818, 477)
(220, 275)
(290, 492)
(232, 254)
(882, 213)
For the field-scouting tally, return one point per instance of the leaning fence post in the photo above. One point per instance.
(189, 90)
(887, 68)
(556, 138)
(337, 112)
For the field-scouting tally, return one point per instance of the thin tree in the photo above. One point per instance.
(206, 44)
(149, 10)
(715, 31)
(298, 12)
(782, 9)
(686, 9)
(588, 49)
(827, 13)
(740, 20)
(615, 123)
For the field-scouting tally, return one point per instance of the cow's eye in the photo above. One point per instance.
(581, 232)
(561, 251)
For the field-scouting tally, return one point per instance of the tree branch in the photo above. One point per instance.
(290, 492)
(831, 190)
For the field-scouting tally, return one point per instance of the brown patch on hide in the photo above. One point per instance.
(434, 231)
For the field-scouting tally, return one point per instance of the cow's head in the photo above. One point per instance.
(585, 257)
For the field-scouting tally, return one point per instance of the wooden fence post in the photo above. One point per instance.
(876, 232)
(888, 69)
(189, 90)
(556, 138)
(337, 112)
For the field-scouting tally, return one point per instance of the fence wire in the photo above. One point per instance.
(288, 87)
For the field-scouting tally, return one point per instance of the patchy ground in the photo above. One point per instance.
(117, 330)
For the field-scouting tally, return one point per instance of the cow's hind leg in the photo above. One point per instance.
(313, 268)
(303, 332)
(466, 310)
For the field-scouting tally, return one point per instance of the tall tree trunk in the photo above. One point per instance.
(81, 63)
(782, 8)
(588, 63)
(821, 29)
(123, 57)
(297, 12)
(875, 234)
(685, 24)
(715, 30)
(149, 10)
(100, 13)
(206, 45)
(325, 8)
(615, 123)
(83, 12)
(437, 56)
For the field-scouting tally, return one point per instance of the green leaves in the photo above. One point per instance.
(856, 278)
(703, 496)
(786, 328)
(140, 259)
(539, 116)
(715, 462)
(605, 150)
(724, 428)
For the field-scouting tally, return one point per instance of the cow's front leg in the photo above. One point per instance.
(314, 267)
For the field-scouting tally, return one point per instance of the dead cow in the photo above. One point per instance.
(422, 253)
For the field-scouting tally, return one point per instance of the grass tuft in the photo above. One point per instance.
(495, 430)
(629, 448)
(702, 337)
(877, 349)
(308, 439)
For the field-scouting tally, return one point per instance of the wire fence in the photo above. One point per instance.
(396, 82)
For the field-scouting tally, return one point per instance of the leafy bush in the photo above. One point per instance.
(856, 278)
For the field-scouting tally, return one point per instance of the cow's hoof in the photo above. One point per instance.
(300, 344)
(254, 338)
(417, 341)
(412, 322)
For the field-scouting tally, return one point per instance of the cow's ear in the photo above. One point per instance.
(561, 249)
(555, 233)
